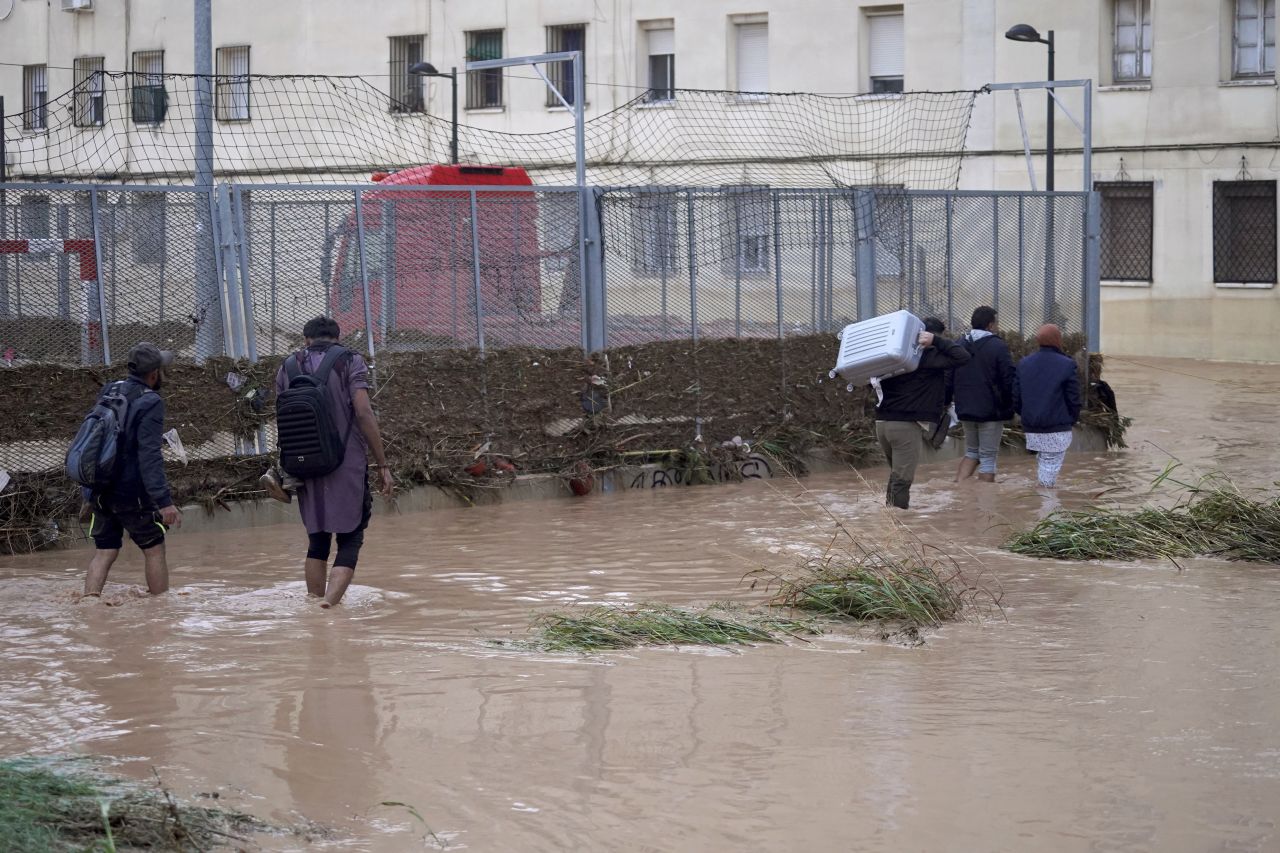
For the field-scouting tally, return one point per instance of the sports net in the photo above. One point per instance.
(140, 127)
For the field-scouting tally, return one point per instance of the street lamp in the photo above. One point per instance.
(1028, 33)
(426, 69)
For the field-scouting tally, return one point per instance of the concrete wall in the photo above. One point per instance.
(1191, 125)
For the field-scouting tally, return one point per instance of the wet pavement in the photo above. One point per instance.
(1112, 706)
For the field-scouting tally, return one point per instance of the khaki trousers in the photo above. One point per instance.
(900, 441)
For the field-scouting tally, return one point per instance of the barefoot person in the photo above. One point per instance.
(137, 499)
(338, 504)
(1046, 395)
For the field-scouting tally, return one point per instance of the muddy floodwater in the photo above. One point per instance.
(1115, 706)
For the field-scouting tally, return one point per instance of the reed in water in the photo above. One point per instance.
(606, 628)
(1213, 518)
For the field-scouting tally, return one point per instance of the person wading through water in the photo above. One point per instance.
(1046, 396)
(983, 391)
(135, 496)
(912, 403)
(322, 392)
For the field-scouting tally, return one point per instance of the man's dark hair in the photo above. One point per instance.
(934, 325)
(983, 317)
(321, 328)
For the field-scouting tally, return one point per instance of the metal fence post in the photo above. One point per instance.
(231, 272)
(1093, 271)
(475, 270)
(951, 294)
(864, 218)
(995, 252)
(1022, 264)
(737, 268)
(97, 277)
(364, 274)
(777, 257)
(241, 247)
(595, 319)
(693, 274)
(274, 284)
(212, 321)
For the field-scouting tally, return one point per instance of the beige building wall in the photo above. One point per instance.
(1191, 125)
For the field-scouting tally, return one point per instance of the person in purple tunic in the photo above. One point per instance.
(337, 505)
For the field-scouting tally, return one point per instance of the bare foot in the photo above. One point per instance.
(325, 605)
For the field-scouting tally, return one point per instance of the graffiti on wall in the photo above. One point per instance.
(754, 467)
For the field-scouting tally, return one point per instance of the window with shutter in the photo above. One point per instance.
(484, 88)
(752, 45)
(1127, 229)
(1254, 46)
(885, 52)
(1132, 50)
(233, 83)
(662, 65)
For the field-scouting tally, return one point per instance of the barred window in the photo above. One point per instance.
(35, 97)
(656, 218)
(147, 214)
(233, 83)
(406, 88)
(1132, 40)
(746, 229)
(1254, 37)
(1244, 232)
(91, 104)
(34, 212)
(484, 88)
(564, 39)
(150, 101)
(1127, 229)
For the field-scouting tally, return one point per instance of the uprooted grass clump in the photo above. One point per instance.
(1214, 518)
(47, 806)
(606, 628)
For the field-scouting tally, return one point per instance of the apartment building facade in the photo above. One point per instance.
(1186, 122)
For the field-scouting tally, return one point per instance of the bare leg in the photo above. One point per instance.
(339, 580)
(156, 569)
(967, 468)
(315, 571)
(99, 566)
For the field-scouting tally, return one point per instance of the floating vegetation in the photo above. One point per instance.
(1214, 518)
(603, 628)
(48, 806)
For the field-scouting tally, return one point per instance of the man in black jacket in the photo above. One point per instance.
(911, 403)
(983, 391)
(138, 500)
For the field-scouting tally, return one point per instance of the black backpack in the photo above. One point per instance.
(93, 459)
(309, 443)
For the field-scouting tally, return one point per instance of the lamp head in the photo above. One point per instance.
(1023, 32)
(426, 69)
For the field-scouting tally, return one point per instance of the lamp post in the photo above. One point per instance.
(426, 69)
(1028, 33)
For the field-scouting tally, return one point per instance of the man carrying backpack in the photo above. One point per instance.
(125, 484)
(322, 396)
(983, 391)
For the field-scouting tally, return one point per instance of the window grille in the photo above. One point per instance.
(563, 39)
(1244, 232)
(35, 97)
(406, 89)
(150, 101)
(484, 88)
(233, 83)
(1127, 229)
(91, 106)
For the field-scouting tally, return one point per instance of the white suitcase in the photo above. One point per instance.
(880, 347)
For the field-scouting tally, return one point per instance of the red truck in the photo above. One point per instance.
(420, 259)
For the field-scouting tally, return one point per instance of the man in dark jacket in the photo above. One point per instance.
(983, 391)
(138, 500)
(911, 403)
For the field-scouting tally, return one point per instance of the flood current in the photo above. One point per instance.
(1111, 706)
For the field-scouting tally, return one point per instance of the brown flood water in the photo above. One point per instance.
(1118, 707)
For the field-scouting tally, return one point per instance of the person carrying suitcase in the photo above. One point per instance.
(911, 404)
